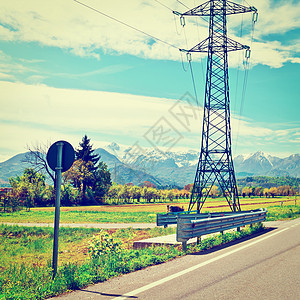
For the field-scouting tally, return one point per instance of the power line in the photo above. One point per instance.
(127, 25)
(183, 4)
(246, 64)
(194, 84)
(164, 5)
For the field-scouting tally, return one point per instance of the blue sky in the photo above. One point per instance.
(66, 71)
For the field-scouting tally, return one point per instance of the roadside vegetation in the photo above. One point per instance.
(99, 255)
(283, 212)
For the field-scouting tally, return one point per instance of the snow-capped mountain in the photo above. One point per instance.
(135, 164)
(260, 163)
(135, 154)
(179, 167)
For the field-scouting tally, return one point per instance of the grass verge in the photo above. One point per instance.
(19, 280)
(283, 212)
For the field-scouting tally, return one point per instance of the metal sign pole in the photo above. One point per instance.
(58, 171)
(60, 158)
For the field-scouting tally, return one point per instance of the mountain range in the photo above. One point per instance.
(171, 168)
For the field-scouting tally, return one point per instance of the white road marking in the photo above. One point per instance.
(183, 272)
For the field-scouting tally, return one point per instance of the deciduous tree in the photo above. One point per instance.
(213, 191)
(273, 191)
(36, 158)
(29, 188)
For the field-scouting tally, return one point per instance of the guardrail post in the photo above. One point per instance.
(198, 240)
(184, 246)
(238, 229)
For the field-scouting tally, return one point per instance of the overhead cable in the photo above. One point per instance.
(164, 5)
(183, 4)
(127, 25)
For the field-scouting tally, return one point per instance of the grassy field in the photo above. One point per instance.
(130, 213)
(34, 245)
(83, 260)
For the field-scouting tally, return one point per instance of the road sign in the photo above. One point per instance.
(68, 156)
(60, 158)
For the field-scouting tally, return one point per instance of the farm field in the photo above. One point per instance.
(130, 213)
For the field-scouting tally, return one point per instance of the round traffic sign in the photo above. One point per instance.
(68, 156)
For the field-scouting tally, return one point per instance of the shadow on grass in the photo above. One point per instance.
(232, 243)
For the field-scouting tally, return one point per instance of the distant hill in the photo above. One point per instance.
(170, 168)
(11, 168)
(267, 181)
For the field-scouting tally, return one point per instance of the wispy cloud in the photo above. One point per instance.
(105, 70)
(13, 68)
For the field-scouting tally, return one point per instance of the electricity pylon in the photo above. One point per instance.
(215, 164)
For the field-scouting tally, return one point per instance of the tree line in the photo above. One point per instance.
(268, 181)
(88, 182)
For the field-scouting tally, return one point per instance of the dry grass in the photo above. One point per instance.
(209, 205)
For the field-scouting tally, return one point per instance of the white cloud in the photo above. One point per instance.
(31, 113)
(277, 16)
(69, 25)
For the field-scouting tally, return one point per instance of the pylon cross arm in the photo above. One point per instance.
(218, 8)
(218, 46)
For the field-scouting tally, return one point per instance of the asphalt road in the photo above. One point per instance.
(266, 266)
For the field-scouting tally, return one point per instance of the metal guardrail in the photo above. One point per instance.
(188, 228)
(171, 218)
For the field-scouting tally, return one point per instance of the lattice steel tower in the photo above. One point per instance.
(215, 166)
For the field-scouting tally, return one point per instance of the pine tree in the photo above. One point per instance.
(85, 152)
(88, 174)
